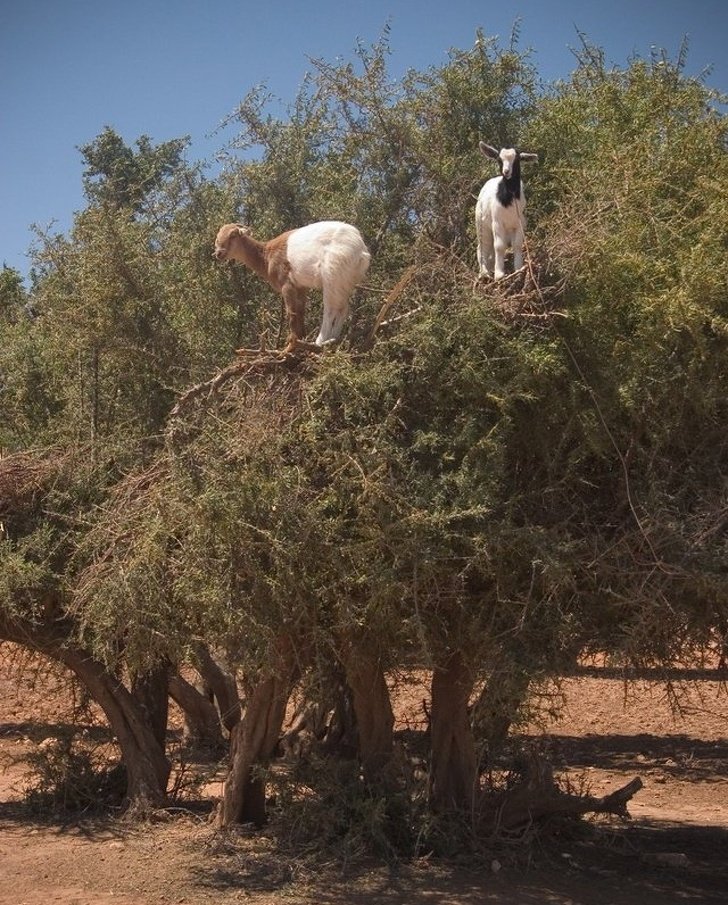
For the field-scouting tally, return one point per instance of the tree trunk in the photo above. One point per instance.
(453, 769)
(372, 707)
(222, 684)
(146, 765)
(202, 723)
(255, 738)
(498, 705)
(147, 768)
(342, 736)
(151, 691)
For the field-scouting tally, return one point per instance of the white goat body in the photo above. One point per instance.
(328, 255)
(500, 213)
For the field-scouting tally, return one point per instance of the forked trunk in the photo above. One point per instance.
(254, 739)
(202, 723)
(453, 769)
(146, 765)
(222, 685)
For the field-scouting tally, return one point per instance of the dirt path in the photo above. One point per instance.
(673, 851)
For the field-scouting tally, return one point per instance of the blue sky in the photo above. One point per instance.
(166, 69)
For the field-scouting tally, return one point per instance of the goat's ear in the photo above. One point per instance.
(488, 151)
(242, 230)
(529, 157)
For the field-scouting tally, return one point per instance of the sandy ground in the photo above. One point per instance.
(673, 851)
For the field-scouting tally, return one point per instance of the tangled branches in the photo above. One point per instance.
(24, 475)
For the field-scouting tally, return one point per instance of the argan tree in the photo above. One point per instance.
(480, 485)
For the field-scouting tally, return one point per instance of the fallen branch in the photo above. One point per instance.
(538, 796)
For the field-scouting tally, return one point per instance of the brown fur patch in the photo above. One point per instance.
(276, 259)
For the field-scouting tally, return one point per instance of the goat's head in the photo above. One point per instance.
(225, 240)
(507, 157)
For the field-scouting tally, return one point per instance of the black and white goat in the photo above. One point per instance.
(499, 212)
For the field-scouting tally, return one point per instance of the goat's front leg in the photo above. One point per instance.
(485, 250)
(500, 246)
(295, 300)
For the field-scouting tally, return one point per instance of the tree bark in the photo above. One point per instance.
(255, 738)
(342, 736)
(372, 707)
(146, 764)
(453, 769)
(151, 691)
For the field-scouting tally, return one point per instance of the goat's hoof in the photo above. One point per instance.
(303, 346)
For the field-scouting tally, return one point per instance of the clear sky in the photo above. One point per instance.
(168, 68)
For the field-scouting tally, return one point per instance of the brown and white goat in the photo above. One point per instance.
(328, 255)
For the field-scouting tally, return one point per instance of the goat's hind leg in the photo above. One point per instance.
(518, 251)
(334, 315)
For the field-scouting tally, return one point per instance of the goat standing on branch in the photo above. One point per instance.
(499, 213)
(328, 255)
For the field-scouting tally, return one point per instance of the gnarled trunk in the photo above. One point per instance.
(143, 757)
(146, 765)
(453, 769)
(254, 739)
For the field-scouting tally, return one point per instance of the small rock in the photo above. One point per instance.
(495, 865)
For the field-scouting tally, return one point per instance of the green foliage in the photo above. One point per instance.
(118, 176)
(26, 576)
(13, 296)
(24, 401)
(345, 818)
